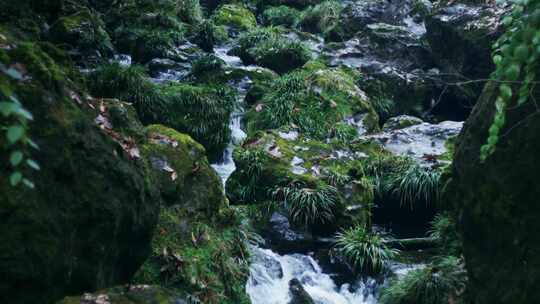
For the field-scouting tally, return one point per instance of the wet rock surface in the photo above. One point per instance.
(424, 142)
(298, 293)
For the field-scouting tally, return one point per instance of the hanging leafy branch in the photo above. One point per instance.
(516, 59)
(15, 128)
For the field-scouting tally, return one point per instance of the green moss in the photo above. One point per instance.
(314, 100)
(264, 164)
(200, 111)
(321, 18)
(236, 16)
(281, 15)
(194, 256)
(183, 171)
(39, 64)
(101, 194)
(207, 34)
(84, 31)
(148, 36)
(268, 47)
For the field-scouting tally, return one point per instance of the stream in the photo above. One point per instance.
(270, 272)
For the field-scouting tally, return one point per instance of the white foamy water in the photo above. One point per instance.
(270, 274)
(226, 166)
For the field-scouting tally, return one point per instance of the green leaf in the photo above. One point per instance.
(16, 158)
(14, 134)
(15, 178)
(32, 144)
(6, 108)
(506, 91)
(24, 113)
(28, 183)
(32, 164)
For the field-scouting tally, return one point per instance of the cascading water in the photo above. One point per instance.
(270, 274)
(226, 166)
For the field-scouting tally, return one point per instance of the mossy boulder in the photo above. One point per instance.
(89, 220)
(497, 202)
(322, 18)
(281, 15)
(84, 32)
(183, 173)
(202, 111)
(315, 99)
(235, 16)
(197, 255)
(272, 160)
(401, 122)
(131, 294)
(146, 36)
(268, 47)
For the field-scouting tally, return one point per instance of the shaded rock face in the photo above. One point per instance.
(298, 293)
(134, 294)
(386, 40)
(417, 51)
(461, 38)
(89, 221)
(285, 238)
(498, 205)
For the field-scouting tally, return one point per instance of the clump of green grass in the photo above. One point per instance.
(402, 178)
(344, 132)
(281, 15)
(130, 84)
(200, 111)
(441, 282)
(418, 184)
(314, 99)
(444, 229)
(267, 47)
(321, 18)
(366, 251)
(308, 206)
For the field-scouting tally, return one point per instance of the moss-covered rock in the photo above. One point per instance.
(268, 47)
(235, 16)
(184, 176)
(401, 122)
(89, 220)
(497, 202)
(198, 255)
(315, 99)
(270, 161)
(131, 294)
(150, 35)
(322, 18)
(281, 15)
(203, 112)
(84, 32)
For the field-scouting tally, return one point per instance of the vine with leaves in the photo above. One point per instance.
(15, 125)
(515, 56)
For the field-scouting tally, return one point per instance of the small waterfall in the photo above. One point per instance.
(270, 274)
(226, 166)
